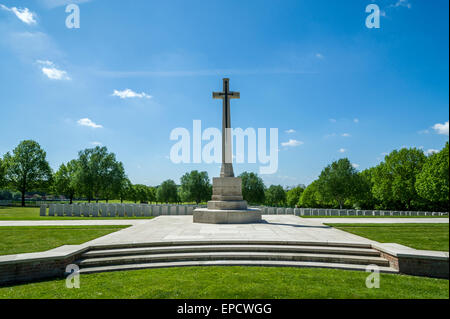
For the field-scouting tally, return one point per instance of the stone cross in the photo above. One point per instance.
(226, 95)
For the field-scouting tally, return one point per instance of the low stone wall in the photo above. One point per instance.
(31, 267)
(414, 262)
(138, 210)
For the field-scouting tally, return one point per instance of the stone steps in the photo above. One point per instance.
(202, 256)
(235, 248)
(353, 256)
(261, 263)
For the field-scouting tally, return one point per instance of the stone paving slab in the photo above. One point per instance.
(274, 228)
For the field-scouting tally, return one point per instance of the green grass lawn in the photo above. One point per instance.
(32, 213)
(418, 236)
(233, 282)
(17, 240)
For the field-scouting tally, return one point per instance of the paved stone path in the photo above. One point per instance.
(274, 228)
(133, 222)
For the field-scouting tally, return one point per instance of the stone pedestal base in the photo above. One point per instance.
(217, 216)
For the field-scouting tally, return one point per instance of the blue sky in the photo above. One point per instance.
(308, 67)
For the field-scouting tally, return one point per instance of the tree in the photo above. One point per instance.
(195, 186)
(64, 180)
(98, 173)
(432, 183)
(365, 198)
(253, 188)
(394, 179)
(167, 192)
(338, 182)
(293, 196)
(275, 195)
(143, 193)
(27, 168)
(114, 175)
(310, 197)
(124, 190)
(2, 172)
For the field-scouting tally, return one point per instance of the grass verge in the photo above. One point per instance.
(418, 236)
(233, 282)
(17, 240)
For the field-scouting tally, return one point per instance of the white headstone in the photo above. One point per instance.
(43, 210)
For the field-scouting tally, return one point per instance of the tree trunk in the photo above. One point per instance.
(71, 200)
(23, 199)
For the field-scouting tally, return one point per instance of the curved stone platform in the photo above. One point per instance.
(176, 241)
(218, 216)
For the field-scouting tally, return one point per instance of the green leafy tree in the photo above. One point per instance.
(27, 168)
(253, 188)
(2, 173)
(310, 197)
(365, 198)
(144, 194)
(275, 196)
(64, 180)
(114, 176)
(167, 192)
(293, 195)
(124, 191)
(394, 179)
(98, 174)
(195, 186)
(338, 182)
(432, 183)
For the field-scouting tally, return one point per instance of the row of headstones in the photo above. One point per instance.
(343, 212)
(136, 210)
(114, 210)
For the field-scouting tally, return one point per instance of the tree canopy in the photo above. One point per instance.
(253, 188)
(275, 195)
(339, 182)
(64, 180)
(195, 186)
(432, 183)
(167, 192)
(394, 179)
(99, 173)
(27, 168)
(293, 196)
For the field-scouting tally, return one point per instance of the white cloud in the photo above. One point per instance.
(330, 135)
(87, 122)
(291, 131)
(356, 120)
(441, 128)
(401, 3)
(128, 94)
(96, 143)
(345, 135)
(332, 120)
(55, 74)
(355, 165)
(51, 71)
(431, 151)
(319, 55)
(292, 143)
(24, 15)
(342, 150)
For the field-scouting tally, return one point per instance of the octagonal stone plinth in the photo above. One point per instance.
(217, 216)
